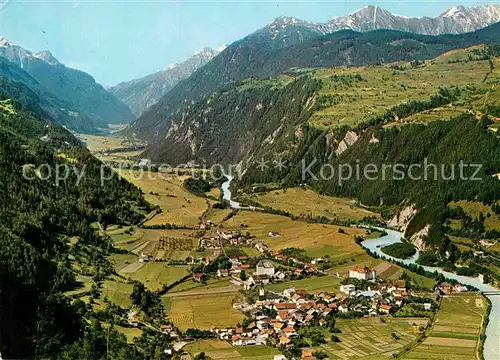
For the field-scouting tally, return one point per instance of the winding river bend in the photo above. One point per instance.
(492, 343)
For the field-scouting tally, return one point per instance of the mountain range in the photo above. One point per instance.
(71, 96)
(455, 20)
(142, 93)
(263, 54)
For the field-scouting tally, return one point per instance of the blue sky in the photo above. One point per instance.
(119, 40)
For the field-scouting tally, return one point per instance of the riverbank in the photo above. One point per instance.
(492, 341)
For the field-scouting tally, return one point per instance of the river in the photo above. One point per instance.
(226, 193)
(492, 343)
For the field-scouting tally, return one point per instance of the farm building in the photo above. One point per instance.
(362, 273)
(265, 267)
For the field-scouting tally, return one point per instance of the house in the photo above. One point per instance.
(279, 276)
(166, 329)
(427, 306)
(279, 357)
(289, 331)
(343, 308)
(261, 247)
(461, 288)
(307, 354)
(347, 289)
(285, 306)
(273, 234)
(283, 316)
(386, 309)
(258, 280)
(265, 267)
(239, 269)
(278, 326)
(144, 163)
(198, 277)
(288, 292)
(284, 340)
(133, 319)
(222, 273)
(317, 261)
(446, 288)
(362, 273)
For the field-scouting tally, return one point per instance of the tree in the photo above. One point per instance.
(335, 338)
(137, 293)
(243, 275)
(200, 356)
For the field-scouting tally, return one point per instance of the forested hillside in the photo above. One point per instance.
(470, 139)
(235, 122)
(19, 85)
(258, 55)
(71, 86)
(44, 226)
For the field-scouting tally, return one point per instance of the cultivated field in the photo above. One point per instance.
(317, 239)
(97, 143)
(456, 329)
(221, 350)
(117, 291)
(306, 202)
(369, 338)
(203, 311)
(166, 244)
(178, 205)
(326, 283)
(217, 215)
(157, 274)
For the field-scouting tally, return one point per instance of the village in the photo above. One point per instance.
(281, 318)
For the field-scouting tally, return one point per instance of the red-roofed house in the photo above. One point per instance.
(362, 273)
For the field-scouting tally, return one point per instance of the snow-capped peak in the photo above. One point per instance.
(221, 48)
(4, 42)
(46, 56)
(454, 10)
(170, 67)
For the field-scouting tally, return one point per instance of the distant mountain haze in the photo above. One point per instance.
(18, 85)
(76, 88)
(141, 93)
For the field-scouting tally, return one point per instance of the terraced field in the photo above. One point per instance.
(360, 93)
(162, 244)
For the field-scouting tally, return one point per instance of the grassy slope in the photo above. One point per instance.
(178, 205)
(308, 202)
(317, 239)
(382, 87)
